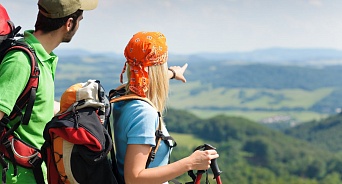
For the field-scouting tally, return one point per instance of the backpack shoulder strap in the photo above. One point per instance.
(131, 97)
(153, 150)
(136, 97)
(28, 96)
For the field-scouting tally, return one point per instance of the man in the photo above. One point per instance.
(57, 22)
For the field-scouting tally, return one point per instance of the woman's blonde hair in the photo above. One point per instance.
(158, 87)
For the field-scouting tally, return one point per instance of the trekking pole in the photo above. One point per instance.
(213, 166)
(199, 176)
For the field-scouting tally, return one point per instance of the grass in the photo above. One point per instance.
(259, 115)
(191, 142)
(187, 140)
(190, 96)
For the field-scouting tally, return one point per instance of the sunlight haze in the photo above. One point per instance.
(196, 26)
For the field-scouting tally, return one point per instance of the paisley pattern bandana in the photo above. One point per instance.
(143, 50)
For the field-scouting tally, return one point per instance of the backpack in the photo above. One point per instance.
(78, 145)
(77, 142)
(11, 147)
(118, 94)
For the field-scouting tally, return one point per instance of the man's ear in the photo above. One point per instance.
(69, 24)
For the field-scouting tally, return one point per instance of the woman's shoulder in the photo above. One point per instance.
(138, 110)
(139, 105)
(135, 108)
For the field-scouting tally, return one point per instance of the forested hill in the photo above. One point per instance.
(303, 89)
(222, 71)
(324, 134)
(252, 153)
(242, 91)
(222, 74)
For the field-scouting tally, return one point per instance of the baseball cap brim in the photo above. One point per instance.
(88, 4)
(63, 8)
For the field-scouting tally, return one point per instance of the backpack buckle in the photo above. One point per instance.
(6, 143)
(159, 133)
(152, 156)
(35, 161)
(4, 121)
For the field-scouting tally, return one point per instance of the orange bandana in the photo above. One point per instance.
(143, 50)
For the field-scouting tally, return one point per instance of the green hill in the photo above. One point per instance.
(252, 153)
(224, 100)
(251, 90)
(325, 134)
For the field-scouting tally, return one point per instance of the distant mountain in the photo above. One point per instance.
(305, 56)
(72, 52)
(258, 90)
(280, 55)
(84, 53)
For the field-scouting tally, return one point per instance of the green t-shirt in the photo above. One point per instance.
(14, 73)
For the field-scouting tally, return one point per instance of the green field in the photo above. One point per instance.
(187, 140)
(254, 104)
(257, 115)
(191, 142)
(257, 97)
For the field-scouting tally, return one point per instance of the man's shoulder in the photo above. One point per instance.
(18, 56)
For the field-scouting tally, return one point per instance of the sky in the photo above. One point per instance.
(201, 26)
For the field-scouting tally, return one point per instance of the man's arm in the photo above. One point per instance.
(1, 114)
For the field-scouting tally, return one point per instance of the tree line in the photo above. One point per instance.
(251, 153)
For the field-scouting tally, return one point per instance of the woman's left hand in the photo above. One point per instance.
(180, 72)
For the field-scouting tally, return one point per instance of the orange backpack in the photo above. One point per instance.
(77, 141)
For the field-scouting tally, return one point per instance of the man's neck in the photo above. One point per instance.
(49, 41)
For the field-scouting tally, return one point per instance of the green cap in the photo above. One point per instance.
(62, 8)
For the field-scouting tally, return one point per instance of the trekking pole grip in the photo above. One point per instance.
(213, 165)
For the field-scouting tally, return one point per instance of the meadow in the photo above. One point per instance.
(253, 104)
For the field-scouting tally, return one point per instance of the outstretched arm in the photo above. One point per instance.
(179, 71)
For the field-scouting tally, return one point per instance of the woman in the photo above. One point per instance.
(136, 121)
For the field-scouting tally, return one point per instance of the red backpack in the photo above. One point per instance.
(78, 145)
(77, 139)
(11, 147)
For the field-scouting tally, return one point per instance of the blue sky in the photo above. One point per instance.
(196, 26)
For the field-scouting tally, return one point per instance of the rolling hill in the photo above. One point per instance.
(252, 153)
(260, 90)
(225, 98)
(324, 134)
